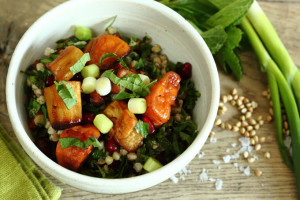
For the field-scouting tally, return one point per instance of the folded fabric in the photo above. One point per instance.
(19, 177)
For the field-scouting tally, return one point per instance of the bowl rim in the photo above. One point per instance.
(58, 171)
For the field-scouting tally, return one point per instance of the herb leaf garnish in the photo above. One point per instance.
(33, 107)
(66, 93)
(142, 128)
(107, 55)
(70, 141)
(132, 82)
(124, 95)
(78, 66)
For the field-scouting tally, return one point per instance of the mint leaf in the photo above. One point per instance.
(132, 82)
(98, 154)
(66, 93)
(33, 107)
(142, 128)
(78, 66)
(124, 95)
(132, 42)
(107, 55)
(112, 22)
(139, 65)
(69, 142)
(230, 13)
(215, 38)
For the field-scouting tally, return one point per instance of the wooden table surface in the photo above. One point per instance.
(276, 182)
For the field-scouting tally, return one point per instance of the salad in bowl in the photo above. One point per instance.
(110, 106)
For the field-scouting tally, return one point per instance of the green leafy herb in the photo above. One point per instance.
(142, 128)
(98, 154)
(216, 21)
(132, 82)
(124, 95)
(46, 60)
(132, 42)
(139, 65)
(189, 93)
(107, 55)
(78, 66)
(33, 107)
(70, 141)
(215, 38)
(66, 93)
(230, 14)
(112, 22)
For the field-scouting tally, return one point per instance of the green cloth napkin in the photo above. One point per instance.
(19, 177)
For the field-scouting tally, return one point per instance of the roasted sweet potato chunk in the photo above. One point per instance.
(106, 44)
(59, 115)
(73, 157)
(162, 96)
(124, 121)
(60, 67)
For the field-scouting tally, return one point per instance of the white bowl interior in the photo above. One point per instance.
(134, 18)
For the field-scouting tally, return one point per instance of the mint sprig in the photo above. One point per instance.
(132, 82)
(66, 93)
(142, 128)
(70, 141)
(78, 66)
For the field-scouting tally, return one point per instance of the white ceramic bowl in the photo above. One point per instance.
(179, 41)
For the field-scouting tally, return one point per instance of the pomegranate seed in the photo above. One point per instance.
(111, 146)
(88, 118)
(49, 80)
(186, 70)
(118, 35)
(34, 64)
(151, 127)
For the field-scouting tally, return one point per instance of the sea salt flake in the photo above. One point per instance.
(226, 159)
(212, 179)
(233, 144)
(216, 162)
(203, 175)
(219, 184)
(236, 164)
(227, 150)
(201, 154)
(247, 171)
(242, 168)
(245, 141)
(213, 140)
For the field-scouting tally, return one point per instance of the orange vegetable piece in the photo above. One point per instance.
(162, 97)
(106, 44)
(60, 67)
(96, 99)
(59, 115)
(73, 157)
(124, 122)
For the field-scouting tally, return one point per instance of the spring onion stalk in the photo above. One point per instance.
(275, 47)
(289, 102)
(278, 119)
